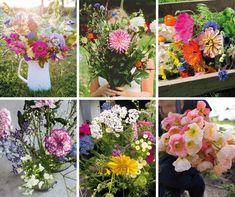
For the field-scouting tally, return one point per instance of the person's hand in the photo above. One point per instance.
(120, 91)
(105, 91)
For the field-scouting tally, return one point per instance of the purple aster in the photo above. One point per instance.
(212, 24)
(223, 74)
(86, 144)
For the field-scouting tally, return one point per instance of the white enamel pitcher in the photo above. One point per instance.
(38, 78)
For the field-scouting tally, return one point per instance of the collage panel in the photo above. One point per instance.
(117, 142)
(196, 147)
(38, 48)
(196, 48)
(117, 48)
(38, 148)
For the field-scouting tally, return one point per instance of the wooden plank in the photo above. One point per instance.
(214, 5)
(196, 85)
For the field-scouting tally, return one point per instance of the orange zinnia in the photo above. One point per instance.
(192, 53)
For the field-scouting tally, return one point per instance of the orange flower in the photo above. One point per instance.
(139, 64)
(192, 53)
(178, 45)
(91, 36)
(169, 20)
(161, 39)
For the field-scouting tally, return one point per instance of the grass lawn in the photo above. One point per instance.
(63, 77)
(84, 87)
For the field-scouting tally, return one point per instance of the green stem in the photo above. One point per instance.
(122, 4)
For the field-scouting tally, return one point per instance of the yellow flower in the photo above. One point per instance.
(30, 52)
(162, 73)
(176, 61)
(123, 165)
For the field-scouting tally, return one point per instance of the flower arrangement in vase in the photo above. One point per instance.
(192, 44)
(38, 40)
(43, 144)
(114, 49)
(117, 153)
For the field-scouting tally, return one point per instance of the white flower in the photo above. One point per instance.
(30, 183)
(181, 164)
(40, 167)
(231, 51)
(48, 176)
(133, 116)
(40, 184)
(137, 22)
(96, 131)
(152, 26)
(26, 158)
(144, 145)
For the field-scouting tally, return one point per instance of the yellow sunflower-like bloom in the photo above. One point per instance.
(123, 165)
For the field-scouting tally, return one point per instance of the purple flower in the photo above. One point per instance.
(97, 5)
(184, 66)
(223, 74)
(27, 58)
(116, 152)
(106, 106)
(70, 22)
(86, 144)
(7, 21)
(150, 136)
(44, 103)
(74, 151)
(114, 14)
(212, 24)
(57, 39)
(59, 143)
(31, 35)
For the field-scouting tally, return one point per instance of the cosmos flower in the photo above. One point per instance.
(59, 142)
(119, 40)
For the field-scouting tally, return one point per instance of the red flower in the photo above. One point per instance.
(91, 36)
(84, 130)
(184, 74)
(192, 53)
(84, 28)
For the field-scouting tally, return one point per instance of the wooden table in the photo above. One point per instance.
(196, 85)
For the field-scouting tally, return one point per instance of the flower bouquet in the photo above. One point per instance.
(203, 42)
(117, 153)
(197, 143)
(43, 144)
(113, 44)
(39, 41)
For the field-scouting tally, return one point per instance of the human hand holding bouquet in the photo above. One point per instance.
(196, 142)
(117, 153)
(44, 143)
(113, 45)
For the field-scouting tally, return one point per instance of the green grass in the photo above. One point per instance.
(172, 1)
(63, 77)
(84, 87)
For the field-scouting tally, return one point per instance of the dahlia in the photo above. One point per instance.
(123, 165)
(59, 143)
(184, 27)
(5, 123)
(119, 40)
(192, 53)
(211, 42)
(40, 48)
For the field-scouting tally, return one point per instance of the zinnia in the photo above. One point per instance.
(192, 53)
(59, 143)
(211, 42)
(184, 27)
(40, 48)
(119, 40)
(5, 123)
(123, 165)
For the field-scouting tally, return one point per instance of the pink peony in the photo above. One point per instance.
(5, 123)
(119, 40)
(184, 27)
(44, 103)
(59, 143)
(40, 48)
(177, 145)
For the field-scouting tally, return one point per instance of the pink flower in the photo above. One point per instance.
(144, 123)
(201, 106)
(84, 130)
(40, 48)
(135, 131)
(119, 40)
(150, 158)
(172, 120)
(44, 103)
(5, 123)
(204, 165)
(59, 143)
(177, 145)
(18, 47)
(184, 27)
(210, 131)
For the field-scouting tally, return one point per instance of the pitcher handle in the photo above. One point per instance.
(19, 69)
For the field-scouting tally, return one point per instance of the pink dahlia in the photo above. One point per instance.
(40, 48)
(184, 27)
(59, 143)
(44, 103)
(119, 40)
(5, 123)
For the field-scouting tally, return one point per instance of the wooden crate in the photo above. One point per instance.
(196, 85)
